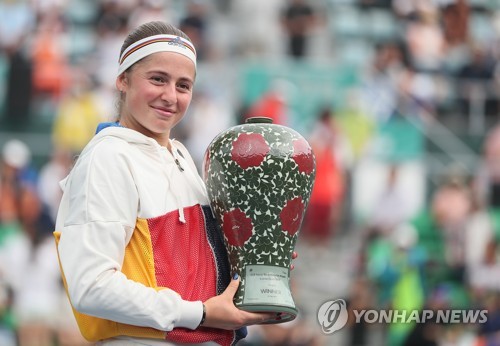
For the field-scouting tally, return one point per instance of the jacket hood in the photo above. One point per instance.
(114, 129)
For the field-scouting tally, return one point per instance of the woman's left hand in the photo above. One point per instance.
(294, 256)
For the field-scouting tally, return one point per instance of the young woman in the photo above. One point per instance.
(139, 252)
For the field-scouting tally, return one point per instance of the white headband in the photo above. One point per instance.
(155, 44)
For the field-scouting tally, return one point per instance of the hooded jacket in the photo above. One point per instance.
(138, 245)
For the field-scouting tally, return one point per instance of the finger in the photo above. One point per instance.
(292, 267)
(295, 255)
(259, 317)
(278, 316)
(233, 286)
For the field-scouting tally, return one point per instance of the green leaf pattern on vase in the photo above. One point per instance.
(259, 178)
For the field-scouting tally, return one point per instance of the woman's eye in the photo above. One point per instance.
(158, 79)
(185, 87)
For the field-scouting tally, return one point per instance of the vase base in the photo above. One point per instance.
(286, 314)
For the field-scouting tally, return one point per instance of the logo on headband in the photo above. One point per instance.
(177, 42)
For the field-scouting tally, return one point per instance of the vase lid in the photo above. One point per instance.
(256, 120)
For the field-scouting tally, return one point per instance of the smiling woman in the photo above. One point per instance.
(140, 255)
(156, 94)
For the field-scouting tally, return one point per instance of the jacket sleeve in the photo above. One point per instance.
(101, 215)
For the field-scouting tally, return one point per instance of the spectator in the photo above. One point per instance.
(395, 264)
(151, 10)
(77, 114)
(360, 298)
(36, 300)
(50, 64)
(208, 116)
(476, 93)
(487, 184)
(456, 22)
(19, 89)
(441, 232)
(392, 207)
(17, 20)
(16, 179)
(260, 36)
(111, 27)
(52, 172)
(379, 86)
(298, 18)
(356, 124)
(195, 25)
(272, 104)
(425, 40)
(325, 206)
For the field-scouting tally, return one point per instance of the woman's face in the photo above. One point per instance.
(158, 90)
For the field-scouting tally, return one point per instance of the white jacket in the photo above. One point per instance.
(122, 176)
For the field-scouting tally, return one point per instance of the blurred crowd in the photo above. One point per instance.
(426, 228)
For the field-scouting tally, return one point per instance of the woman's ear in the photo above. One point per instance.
(121, 82)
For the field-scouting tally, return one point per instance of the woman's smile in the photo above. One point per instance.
(164, 111)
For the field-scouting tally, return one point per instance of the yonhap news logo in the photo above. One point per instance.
(333, 315)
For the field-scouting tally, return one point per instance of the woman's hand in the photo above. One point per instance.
(294, 256)
(223, 314)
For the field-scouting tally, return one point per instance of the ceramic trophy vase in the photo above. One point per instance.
(259, 178)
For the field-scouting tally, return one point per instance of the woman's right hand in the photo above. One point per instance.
(221, 312)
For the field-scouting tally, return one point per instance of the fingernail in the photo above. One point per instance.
(235, 276)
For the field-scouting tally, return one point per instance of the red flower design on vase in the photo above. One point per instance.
(291, 215)
(237, 227)
(303, 156)
(249, 150)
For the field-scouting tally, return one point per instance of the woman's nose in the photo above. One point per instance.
(169, 93)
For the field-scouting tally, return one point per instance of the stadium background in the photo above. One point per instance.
(399, 98)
